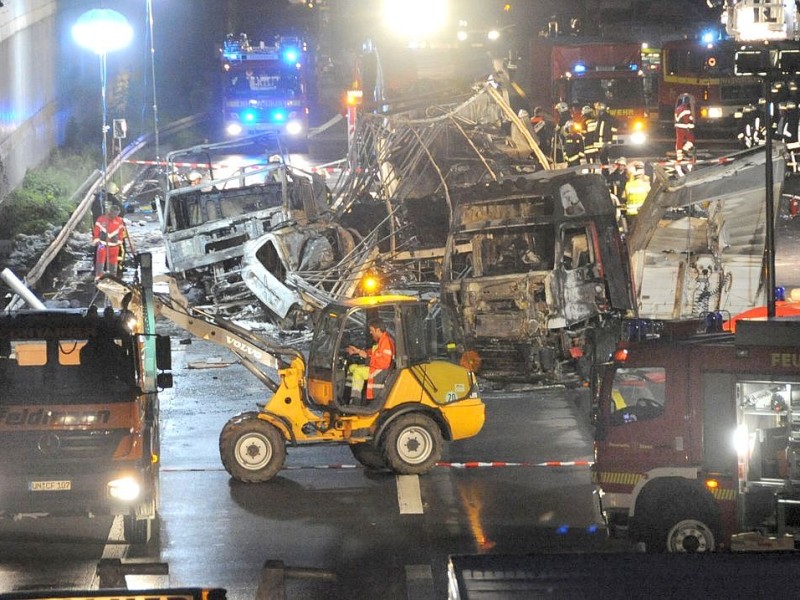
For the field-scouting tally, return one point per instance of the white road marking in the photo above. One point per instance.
(409, 497)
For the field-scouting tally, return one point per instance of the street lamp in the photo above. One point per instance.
(102, 30)
(153, 75)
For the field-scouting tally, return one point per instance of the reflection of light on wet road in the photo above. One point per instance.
(470, 497)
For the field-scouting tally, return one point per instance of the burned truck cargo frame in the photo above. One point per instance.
(539, 275)
(241, 197)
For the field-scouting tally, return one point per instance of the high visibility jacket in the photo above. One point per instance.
(590, 146)
(636, 191)
(109, 231)
(381, 359)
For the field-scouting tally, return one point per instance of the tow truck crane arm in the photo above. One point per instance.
(254, 351)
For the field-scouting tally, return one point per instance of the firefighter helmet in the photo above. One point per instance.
(538, 111)
(586, 111)
(195, 177)
(275, 159)
(683, 99)
(112, 188)
(523, 114)
(562, 107)
(601, 107)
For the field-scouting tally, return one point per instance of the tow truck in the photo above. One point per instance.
(427, 396)
(697, 443)
(79, 411)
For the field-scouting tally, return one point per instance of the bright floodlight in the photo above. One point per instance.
(102, 30)
(415, 18)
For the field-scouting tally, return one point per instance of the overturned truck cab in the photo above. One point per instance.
(538, 272)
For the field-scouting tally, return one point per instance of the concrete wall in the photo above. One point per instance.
(30, 117)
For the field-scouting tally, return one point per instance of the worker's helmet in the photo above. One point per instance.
(195, 176)
(112, 209)
(112, 188)
(562, 107)
(586, 111)
(682, 99)
(538, 111)
(622, 161)
(523, 114)
(275, 159)
(601, 107)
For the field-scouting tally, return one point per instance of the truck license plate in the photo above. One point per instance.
(49, 486)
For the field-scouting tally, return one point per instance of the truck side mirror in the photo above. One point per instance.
(164, 380)
(163, 353)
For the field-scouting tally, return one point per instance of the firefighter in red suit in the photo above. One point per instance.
(684, 129)
(109, 235)
(381, 359)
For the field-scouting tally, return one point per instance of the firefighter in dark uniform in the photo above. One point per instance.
(746, 123)
(606, 133)
(590, 147)
(573, 144)
(544, 131)
(562, 117)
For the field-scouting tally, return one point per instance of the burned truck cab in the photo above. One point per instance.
(537, 270)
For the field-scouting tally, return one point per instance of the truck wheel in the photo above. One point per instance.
(368, 455)
(136, 531)
(681, 534)
(412, 444)
(690, 535)
(251, 450)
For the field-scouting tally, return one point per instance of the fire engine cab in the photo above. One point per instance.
(264, 87)
(697, 443)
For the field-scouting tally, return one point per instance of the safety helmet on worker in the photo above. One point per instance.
(587, 111)
(275, 159)
(683, 99)
(112, 188)
(195, 176)
(562, 107)
(538, 111)
(601, 107)
(523, 114)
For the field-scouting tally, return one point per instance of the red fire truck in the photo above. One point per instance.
(697, 443)
(704, 69)
(590, 71)
(264, 87)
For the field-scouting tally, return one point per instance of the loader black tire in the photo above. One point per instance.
(412, 444)
(137, 531)
(252, 450)
(368, 455)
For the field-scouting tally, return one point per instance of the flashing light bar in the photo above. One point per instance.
(579, 68)
(290, 55)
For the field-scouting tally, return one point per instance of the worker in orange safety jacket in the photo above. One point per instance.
(684, 128)
(381, 359)
(108, 236)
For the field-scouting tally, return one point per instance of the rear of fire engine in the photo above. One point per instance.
(697, 444)
(79, 416)
(264, 88)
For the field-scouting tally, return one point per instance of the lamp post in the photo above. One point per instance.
(153, 75)
(102, 30)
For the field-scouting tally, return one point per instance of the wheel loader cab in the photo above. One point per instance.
(412, 325)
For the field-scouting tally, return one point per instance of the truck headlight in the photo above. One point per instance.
(234, 129)
(638, 138)
(294, 127)
(125, 488)
(712, 112)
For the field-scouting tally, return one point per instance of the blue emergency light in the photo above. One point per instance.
(633, 67)
(249, 116)
(277, 116)
(290, 55)
(579, 68)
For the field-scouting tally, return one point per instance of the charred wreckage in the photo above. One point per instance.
(456, 200)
